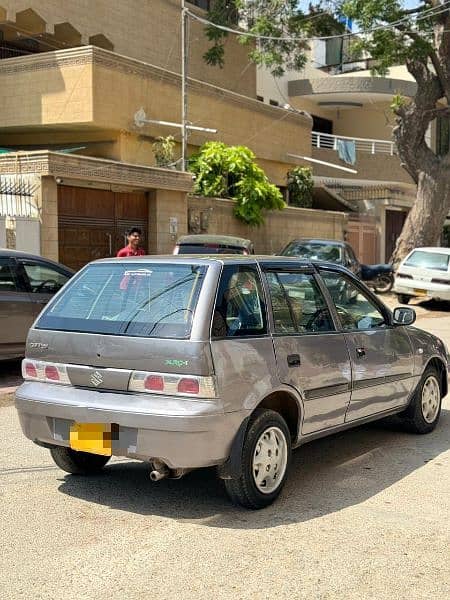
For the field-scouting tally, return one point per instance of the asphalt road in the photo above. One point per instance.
(365, 514)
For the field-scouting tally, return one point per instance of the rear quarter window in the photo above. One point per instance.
(130, 299)
(240, 309)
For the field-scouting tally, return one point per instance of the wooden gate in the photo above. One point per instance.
(362, 236)
(395, 220)
(92, 223)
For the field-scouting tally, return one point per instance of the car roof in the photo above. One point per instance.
(8, 253)
(436, 250)
(227, 240)
(224, 259)
(319, 241)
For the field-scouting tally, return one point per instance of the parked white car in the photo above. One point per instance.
(424, 273)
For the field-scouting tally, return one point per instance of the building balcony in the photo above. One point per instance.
(88, 95)
(349, 91)
(376, 160)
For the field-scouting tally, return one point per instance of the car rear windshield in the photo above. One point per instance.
(130, 299)
(209, 249)
(314, 251)
(428, 260)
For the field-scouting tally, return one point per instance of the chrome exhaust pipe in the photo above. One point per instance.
(159, 471)
(158, 475)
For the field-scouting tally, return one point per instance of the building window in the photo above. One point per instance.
(260, 98)
(205, 4)
(322, 125)
(274, 102)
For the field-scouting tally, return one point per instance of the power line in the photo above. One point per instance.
(426, 14)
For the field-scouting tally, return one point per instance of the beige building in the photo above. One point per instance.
(72, 77)
(352, 128)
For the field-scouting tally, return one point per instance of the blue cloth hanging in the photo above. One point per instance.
(346, 150)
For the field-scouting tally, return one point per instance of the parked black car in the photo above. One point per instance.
(379, 277)
(27, 283)
(333, 251)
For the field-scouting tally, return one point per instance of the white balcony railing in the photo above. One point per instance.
(330, 142)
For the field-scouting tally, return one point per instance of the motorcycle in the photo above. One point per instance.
(379, 277)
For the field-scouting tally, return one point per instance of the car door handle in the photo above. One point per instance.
(360, 352)
(293, 360)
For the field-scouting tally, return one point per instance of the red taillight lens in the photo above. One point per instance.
(30, 370)
(155, 383)
(188, 386)
(52, 373)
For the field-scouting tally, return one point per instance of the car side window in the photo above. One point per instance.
(8, 278)
(298, 305)
(354, 308)
(240, 309)
(43, 278)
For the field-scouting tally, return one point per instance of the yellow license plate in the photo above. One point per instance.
(420, 292)
(91, 437)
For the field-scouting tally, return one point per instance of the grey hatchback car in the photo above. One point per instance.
(226, 361)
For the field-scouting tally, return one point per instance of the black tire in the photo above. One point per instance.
(243, 491)
(413, 417)
(78, 463)
(403, 298)
(383, 284)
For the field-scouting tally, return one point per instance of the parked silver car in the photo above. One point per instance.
(27, 282)
(226, 361)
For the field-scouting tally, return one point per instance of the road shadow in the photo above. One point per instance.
(326, 476)
(433, 306)
(10, 369)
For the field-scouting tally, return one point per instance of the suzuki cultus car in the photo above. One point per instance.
(189, 362)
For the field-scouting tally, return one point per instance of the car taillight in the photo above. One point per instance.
(171, 384)
(404, 275)
(154, 383)
(44, 371)
(188, 386)
(51, 372)
(441, 281)
(30, 370)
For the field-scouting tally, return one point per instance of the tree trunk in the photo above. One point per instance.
(424, 223)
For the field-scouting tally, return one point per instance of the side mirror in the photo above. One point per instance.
(404, 316)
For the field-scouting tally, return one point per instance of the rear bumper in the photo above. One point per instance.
(427, 289)
(183, 433)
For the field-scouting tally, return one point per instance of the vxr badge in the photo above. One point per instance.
(96, 378)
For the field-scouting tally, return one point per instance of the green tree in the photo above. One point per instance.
(300, 184)
(231, 172)
(393, 35)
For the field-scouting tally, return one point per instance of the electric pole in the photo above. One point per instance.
(184, 70)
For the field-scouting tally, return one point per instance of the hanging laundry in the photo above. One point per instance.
(346, 150)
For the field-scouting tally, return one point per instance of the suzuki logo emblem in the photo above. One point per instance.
(96, 378)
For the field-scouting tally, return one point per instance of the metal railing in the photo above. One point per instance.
(330, 142)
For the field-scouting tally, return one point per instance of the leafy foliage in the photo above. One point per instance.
(271, 18)
(163, 149)
(300, 185)
(231, 172)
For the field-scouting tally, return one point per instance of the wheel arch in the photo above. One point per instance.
(441, 368)
(287, 405)
(281, 401)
